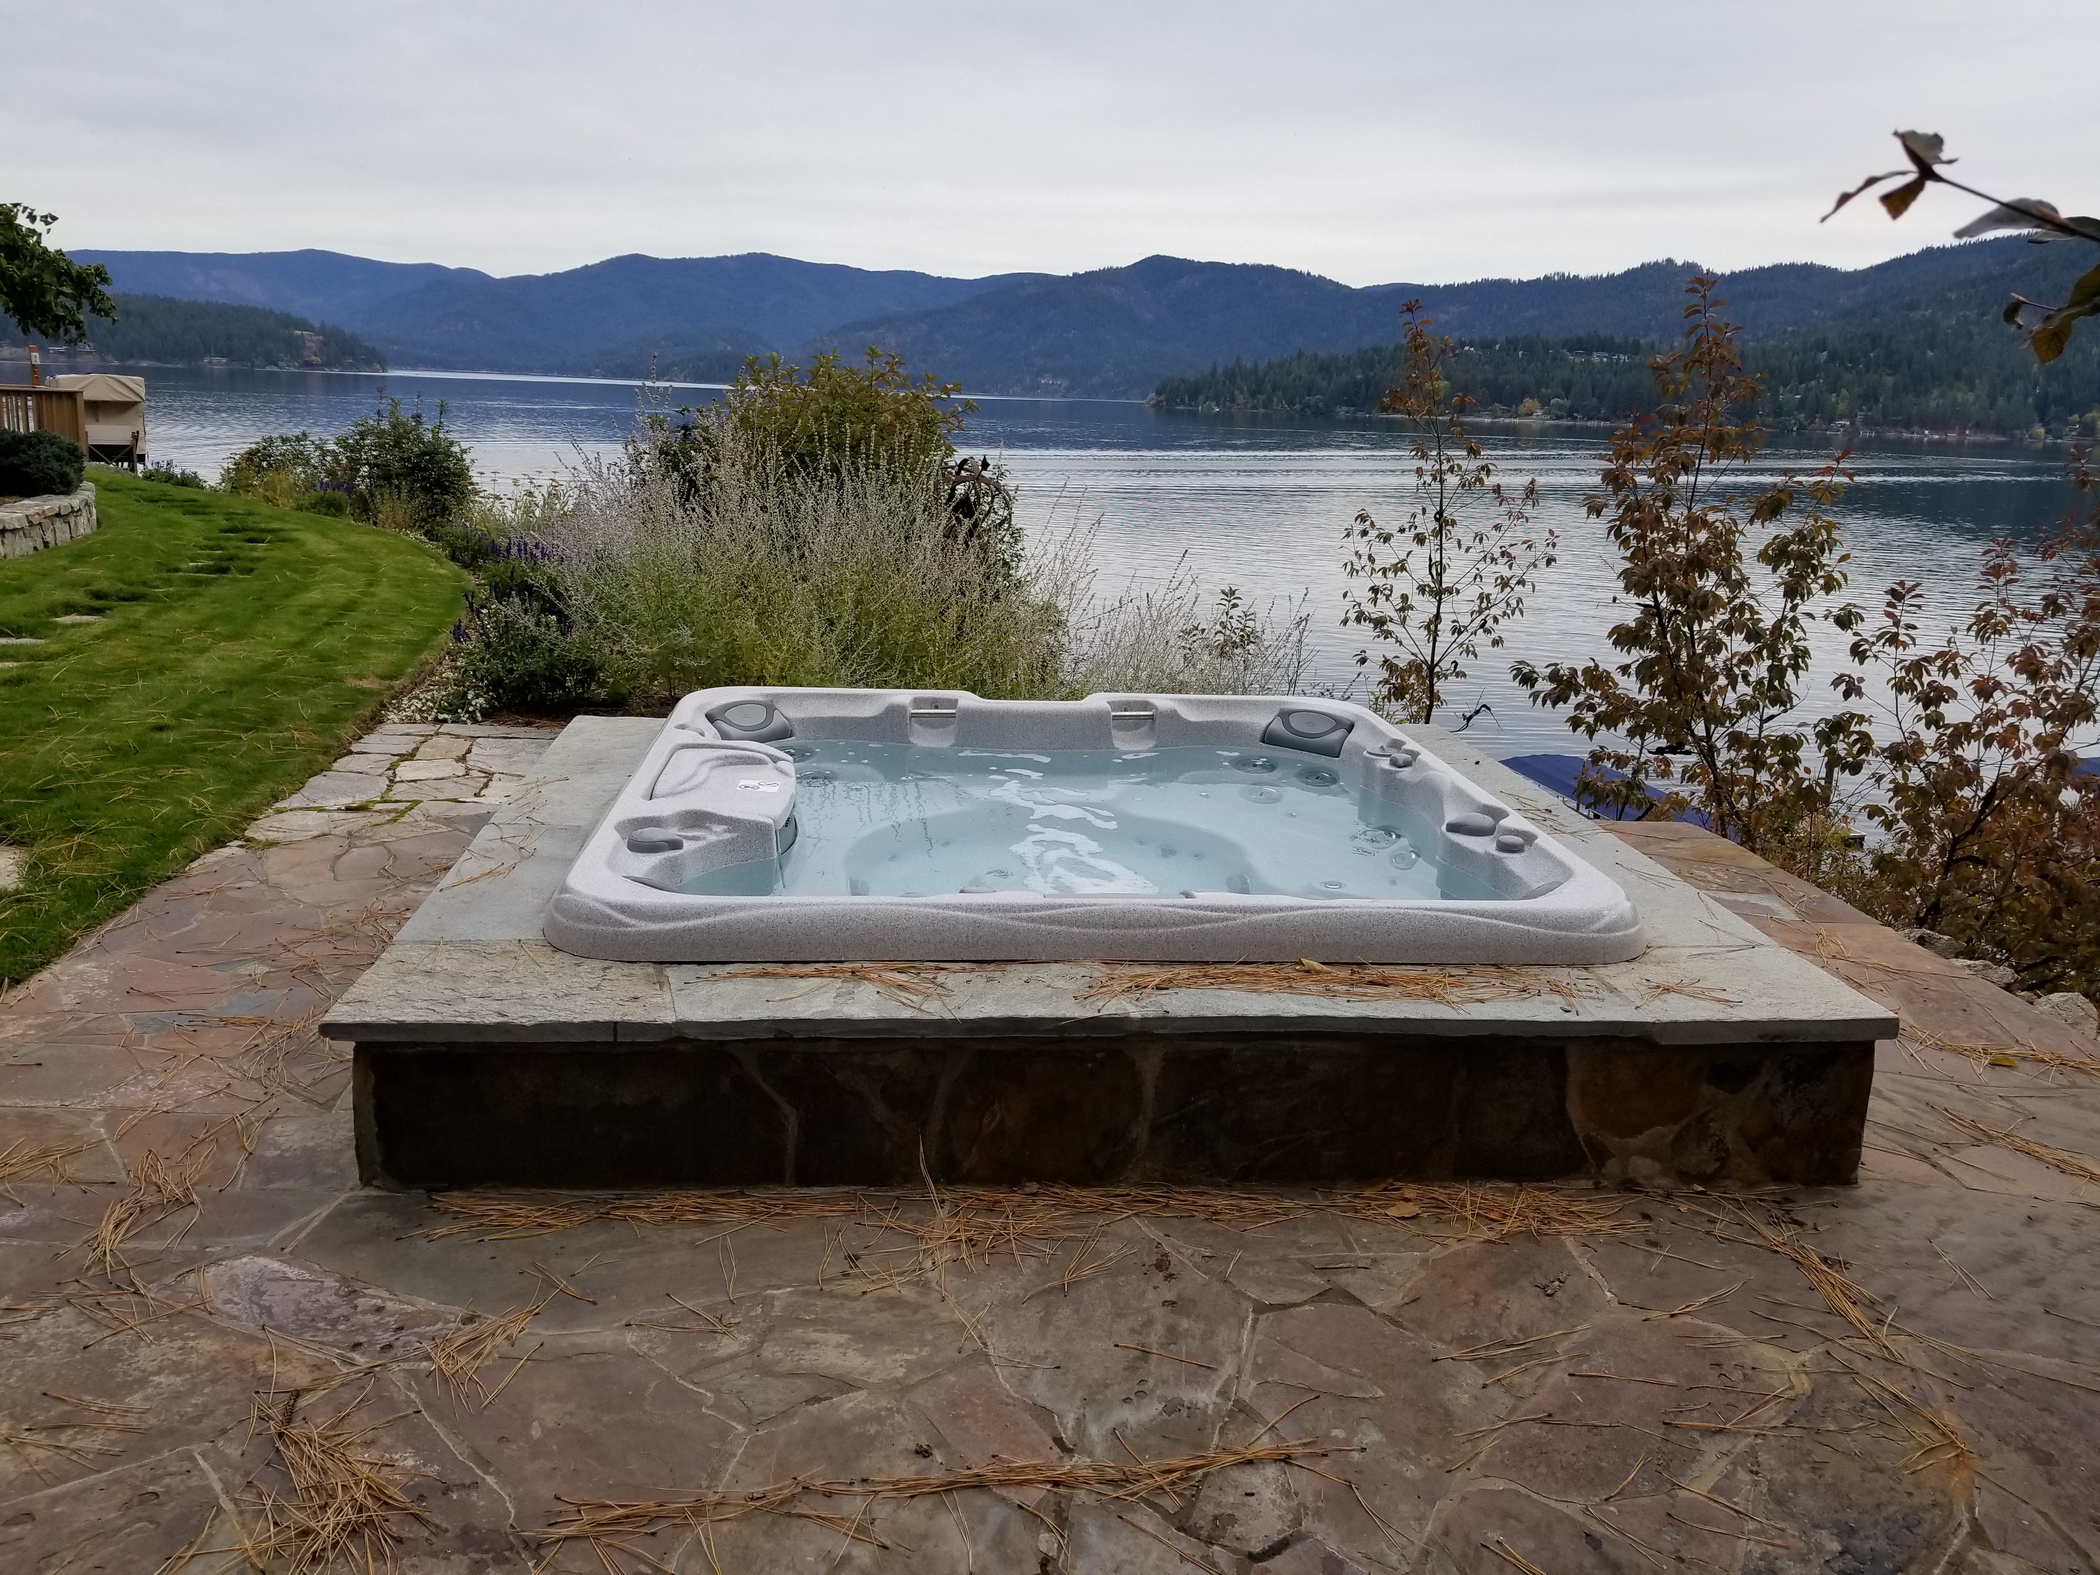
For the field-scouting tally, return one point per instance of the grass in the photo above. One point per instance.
(236, 648)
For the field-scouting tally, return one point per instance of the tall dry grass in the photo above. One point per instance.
(860, 580)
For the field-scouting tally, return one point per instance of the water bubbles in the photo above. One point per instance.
(1256, 793)
(1255, 763)
(798, 751)
(817, 774)
(1332, 885)
(1317, 777)
(1374, 839)
(1404, 857)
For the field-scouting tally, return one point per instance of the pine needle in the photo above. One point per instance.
(910, 984)
(1509, 1555)
(160, 1189)
(457, 1358)
(1452, 987)
(344, 1507)
(1169, 1355)
(971, 1225)
(603, 1522)
(2063, 1159)
(1842, 1294)
(21, 1160)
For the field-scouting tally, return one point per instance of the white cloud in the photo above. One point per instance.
(1369, 142)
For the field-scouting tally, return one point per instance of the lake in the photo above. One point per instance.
(1260, 503)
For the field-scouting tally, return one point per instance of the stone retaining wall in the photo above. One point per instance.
(36, 523)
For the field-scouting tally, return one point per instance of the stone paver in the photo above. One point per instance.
(1665, 1390)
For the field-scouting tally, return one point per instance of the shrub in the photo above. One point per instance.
(397, 461)
(392, 469)
(511, 657)
(170, 475)
(834, 417)
(849, 578)
(704, 556)
(834, 422)
(1158, 640)
(279, 468)
(1984, 828)
(334, 502)
(1721, 590)
(35, 463)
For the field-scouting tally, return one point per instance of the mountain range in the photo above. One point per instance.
(1108, 333)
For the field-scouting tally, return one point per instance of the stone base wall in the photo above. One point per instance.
(1170, 1108)
(36, 523)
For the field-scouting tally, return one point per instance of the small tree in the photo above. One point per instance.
(43, 289)
(2046, 328)
(1724, 587)
(1442, 584)
(1986, 830)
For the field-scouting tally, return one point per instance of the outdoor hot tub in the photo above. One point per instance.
(839, 824)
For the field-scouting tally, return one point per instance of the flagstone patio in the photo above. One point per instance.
(1902, 1375)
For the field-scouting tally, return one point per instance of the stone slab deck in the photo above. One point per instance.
(1664, 1392)
(484, 1055)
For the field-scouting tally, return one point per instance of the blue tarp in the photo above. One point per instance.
(1558, 773)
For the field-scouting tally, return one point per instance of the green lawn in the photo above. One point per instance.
(236, 649)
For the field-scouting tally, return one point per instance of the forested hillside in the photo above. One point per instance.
(329, 287)
(1096, 333)
(1918, 375)
(1910, 343)
(158, 330)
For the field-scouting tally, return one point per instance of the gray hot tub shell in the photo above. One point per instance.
(715, 789)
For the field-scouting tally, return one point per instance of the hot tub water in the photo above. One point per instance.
(885, 819)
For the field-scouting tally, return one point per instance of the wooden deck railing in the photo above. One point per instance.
(60, 410)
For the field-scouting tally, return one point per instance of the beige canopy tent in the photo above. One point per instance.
(114, 409)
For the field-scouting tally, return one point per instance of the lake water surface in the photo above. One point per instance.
(1260, 503)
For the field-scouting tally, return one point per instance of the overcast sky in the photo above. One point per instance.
(1368, 142)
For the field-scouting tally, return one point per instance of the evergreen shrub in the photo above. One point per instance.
(35, 463)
